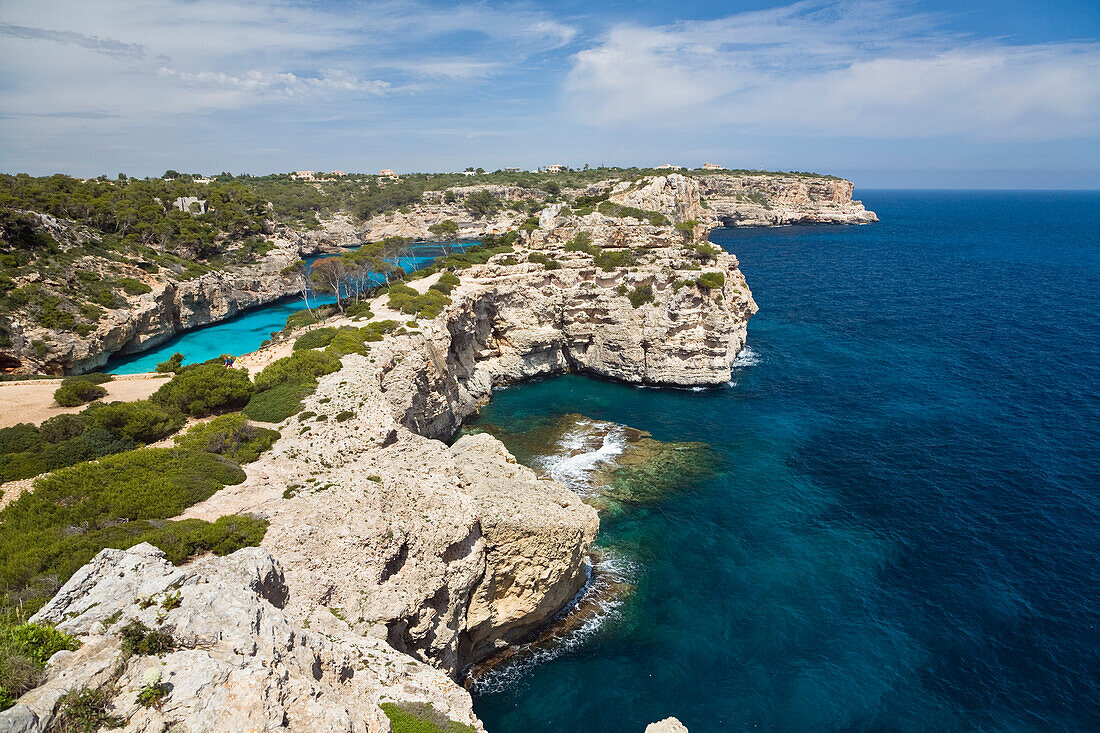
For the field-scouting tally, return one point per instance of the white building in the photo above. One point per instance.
(304, 175)
(669, 167)
(554, 168)
(713, 167)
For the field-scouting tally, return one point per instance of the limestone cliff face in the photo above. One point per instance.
(172, 307)
(772, 200)
(394, 544)
(238, 660)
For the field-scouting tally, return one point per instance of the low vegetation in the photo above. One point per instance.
(205, 389)
(622, 211)
(230, 436)
(75, 391)
(415, 717)
(641, 295)
(24, 650)
(100, 430)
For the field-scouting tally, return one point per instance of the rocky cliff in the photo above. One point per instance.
(774, 200)
(402, 550)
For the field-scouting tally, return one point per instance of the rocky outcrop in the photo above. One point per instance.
(779, 199)
(393, 542)
(668, 725)
(236, 659)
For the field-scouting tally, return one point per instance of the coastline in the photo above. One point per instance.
(450, 554)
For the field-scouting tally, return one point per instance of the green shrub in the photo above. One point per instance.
(278, 403)
(120, 501)
(206, 389)
(711, 280)
(151, 696)
(84, 711)
(545, 260)
(581, 242)
(315, 339)
(62, 427)
(347, 341)
(408, 300)
(621, 211)
(19, 438)
(447, 282)
(172, 365)
(132, 286)
(138, 639)
(230, 436)
(418, 717)
(609, 259)
(375, 331)
(141, 421)
(37, 642)
(344, 415)
(300, 367)
(641, 295)
(358, 310)
(78, 392)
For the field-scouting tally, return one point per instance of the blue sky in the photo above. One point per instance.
(889, 93)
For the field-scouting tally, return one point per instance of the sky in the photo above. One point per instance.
(889, 93)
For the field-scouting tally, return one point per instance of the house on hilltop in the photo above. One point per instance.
(669, 167)
(554, 168)
(713, 167)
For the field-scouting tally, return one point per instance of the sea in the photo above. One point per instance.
(901, 531)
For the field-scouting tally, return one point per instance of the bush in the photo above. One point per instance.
(206, 389)
(711, 280)
(609, 259)
(347, 341)
(621, 211)
(278, 403)
(84, 711)
(418, 717)
(132, 286)
(138, 639)
(581, 242)
(37, 642)
(230, 436)
(141, 421)
(447, 282)
(120, 501)
(315, 339)
(78, 392)
(19, 438)
(172, 365)
(24, 650)
(298, 368)
(641, 295)
(358, 310)
(407, 300)
(62, 427)
(545, 260)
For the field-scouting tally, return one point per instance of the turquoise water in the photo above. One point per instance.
(902, 534)
(247, 331)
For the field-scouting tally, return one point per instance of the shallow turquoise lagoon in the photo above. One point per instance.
(247, 331)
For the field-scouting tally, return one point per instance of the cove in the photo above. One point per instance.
(248, 330)
(901, 530)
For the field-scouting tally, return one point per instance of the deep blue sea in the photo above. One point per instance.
(903, 533)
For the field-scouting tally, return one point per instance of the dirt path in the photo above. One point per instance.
(32, 401)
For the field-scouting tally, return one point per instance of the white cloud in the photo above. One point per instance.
(138, 59)
(836, 69)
